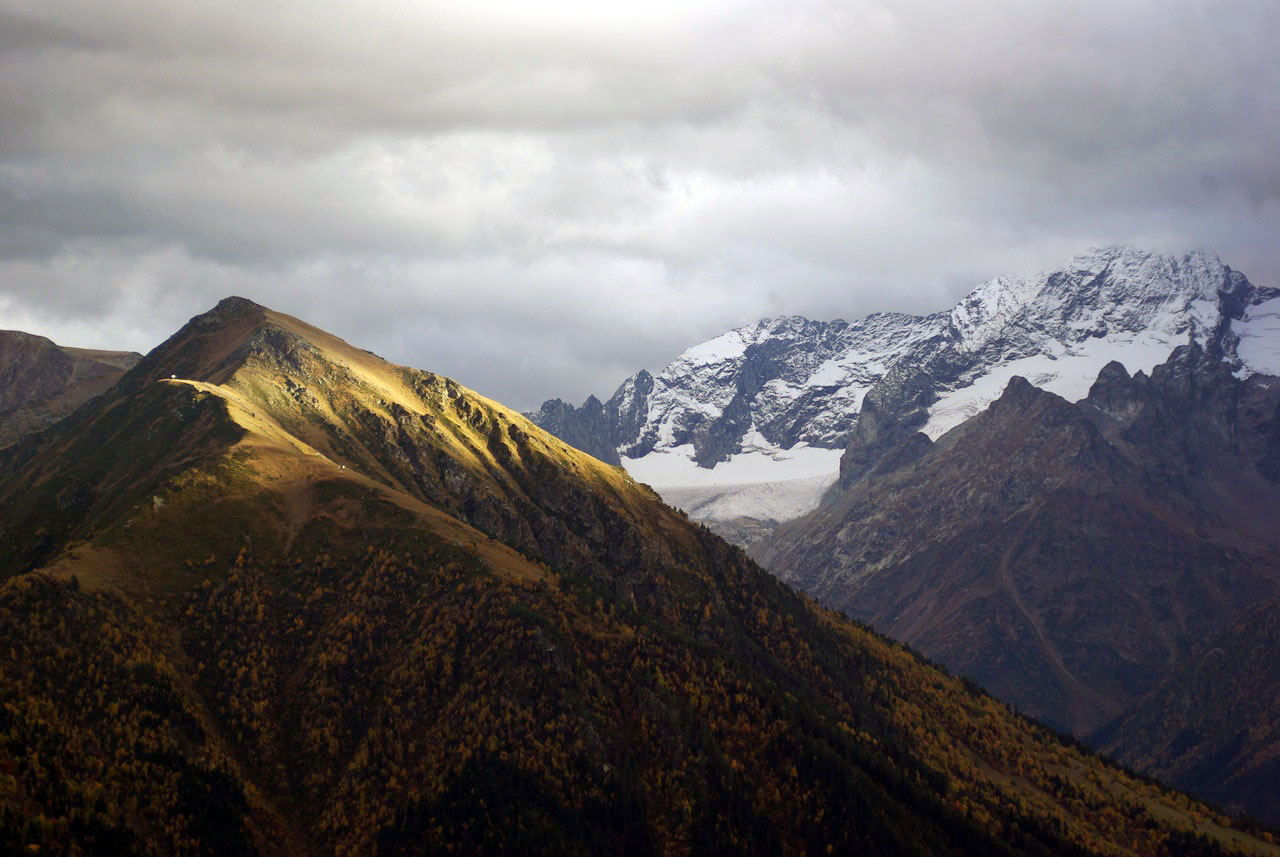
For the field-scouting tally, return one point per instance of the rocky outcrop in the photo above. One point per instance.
(587, 428)
(896, 408)
(628, 407)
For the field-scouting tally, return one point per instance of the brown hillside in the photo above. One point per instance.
(40, 382)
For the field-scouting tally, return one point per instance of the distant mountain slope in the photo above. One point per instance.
(274, 594)
(774, 403)
(1211, 726)
(40, 382)
(1065, 555)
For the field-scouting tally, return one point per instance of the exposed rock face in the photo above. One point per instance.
(790, 379)
(1065, 555)
(628, 407)
(586, 428)
(1211, 726)
(41, 382)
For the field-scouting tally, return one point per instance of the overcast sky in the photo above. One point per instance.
(539, 198)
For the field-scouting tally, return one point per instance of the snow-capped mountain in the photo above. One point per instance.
(754, 422)
(1059, 330)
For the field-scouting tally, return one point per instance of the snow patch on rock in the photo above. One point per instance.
(764, 501)
(1069, 373)
(675, 468)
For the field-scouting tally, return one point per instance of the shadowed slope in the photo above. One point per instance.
(40, 382)
(1211, 725)
(1064, 555)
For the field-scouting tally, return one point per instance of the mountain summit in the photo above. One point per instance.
(277, 393)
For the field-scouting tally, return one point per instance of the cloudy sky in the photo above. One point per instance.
(540, 198)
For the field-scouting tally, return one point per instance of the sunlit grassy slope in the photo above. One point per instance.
(275, 594)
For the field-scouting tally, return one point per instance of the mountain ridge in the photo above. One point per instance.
(783, 391)
(41, 382)
(302, 379)
(1062, 554)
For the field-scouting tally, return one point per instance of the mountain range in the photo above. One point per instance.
(750, 428)
(272, 594)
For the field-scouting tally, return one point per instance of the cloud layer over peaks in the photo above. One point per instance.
(539, 199)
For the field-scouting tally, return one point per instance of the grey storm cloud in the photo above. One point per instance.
(539, 199)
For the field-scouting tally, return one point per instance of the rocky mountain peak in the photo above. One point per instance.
(1104, 292)
(1113, 373)
(1139, 263)
(1018, 391)
(11, 340)
(232, 307)
(1192, 379)
(1021, 407)
(1188, 365)
(588, 428)
(1113, 393)
(755, 394)
(214, 344)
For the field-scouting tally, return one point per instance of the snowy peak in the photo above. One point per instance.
(1103, 292)
(1059, 329)
(767, 388)
(789, 380)
(1199, 273)
(704, 397)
